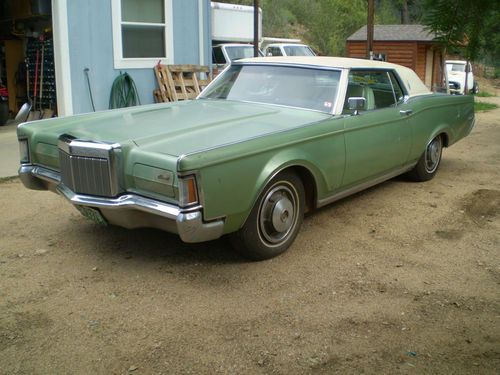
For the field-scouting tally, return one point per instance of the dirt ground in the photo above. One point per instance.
(402, 278)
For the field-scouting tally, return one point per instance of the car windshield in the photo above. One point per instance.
(298, 51)
(455, 67)
(314, 89)
(239, 52)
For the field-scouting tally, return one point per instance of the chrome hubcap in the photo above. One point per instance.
(278, 213)
(282, 215)
(433, 155)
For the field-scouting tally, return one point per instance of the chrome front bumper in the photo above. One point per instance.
(130, 210)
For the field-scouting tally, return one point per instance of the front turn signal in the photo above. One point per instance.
(187, 191)
(24, 152)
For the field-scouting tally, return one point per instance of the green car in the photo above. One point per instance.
(269, 139)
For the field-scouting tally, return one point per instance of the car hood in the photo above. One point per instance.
(184, 127)
(205, 124)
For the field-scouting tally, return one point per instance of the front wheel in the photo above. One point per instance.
(274, 220)
(428, 163)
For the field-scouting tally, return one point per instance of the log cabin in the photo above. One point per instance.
(408, 45)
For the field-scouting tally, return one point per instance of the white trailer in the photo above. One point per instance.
(233, 23)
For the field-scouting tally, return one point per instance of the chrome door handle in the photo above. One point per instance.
(408, 112)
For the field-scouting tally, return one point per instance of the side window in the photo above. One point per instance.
(398, 92)
(218, 56)
(274, 51)
(375, 86)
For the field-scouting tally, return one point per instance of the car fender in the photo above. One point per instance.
(284, 160)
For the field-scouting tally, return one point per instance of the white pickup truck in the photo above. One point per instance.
(456, 77)
(288, 49)
(225, 53)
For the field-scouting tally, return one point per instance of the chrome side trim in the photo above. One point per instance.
(365, 185)
(211, 148)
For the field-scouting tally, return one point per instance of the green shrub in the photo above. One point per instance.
(484, 94)
(481, 106)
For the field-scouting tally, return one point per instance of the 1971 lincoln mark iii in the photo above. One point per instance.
(268, 140)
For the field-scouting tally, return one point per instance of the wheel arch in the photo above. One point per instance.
(443, 131)
(309, 183)
(445, 138)
(308, 175)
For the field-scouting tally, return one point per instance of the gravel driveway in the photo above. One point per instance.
(401, 278)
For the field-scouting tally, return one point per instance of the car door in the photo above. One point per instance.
(376, 137)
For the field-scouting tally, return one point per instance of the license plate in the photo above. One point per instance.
(92, 214)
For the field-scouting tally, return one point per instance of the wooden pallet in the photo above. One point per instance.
(180, 82)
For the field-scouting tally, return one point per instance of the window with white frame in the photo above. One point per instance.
(142, 33)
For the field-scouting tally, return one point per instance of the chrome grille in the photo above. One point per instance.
(88, 167)
(86, 175)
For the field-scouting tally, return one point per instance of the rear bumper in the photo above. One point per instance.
(130, 210)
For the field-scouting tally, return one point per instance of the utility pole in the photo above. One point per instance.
(369, 29)
(405, 13)
(255, 28)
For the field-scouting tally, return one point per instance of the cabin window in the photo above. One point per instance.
(142, 33)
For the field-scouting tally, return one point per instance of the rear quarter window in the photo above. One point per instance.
(218, 56)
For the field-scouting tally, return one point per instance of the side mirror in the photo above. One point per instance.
(356, 103)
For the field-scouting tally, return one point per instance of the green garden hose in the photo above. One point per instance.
(123, 92)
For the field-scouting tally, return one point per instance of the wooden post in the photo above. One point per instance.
(467, 70)
(369, 30)
(444, 77)
(255, 28)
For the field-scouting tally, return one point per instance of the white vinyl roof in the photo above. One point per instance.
(410, 79)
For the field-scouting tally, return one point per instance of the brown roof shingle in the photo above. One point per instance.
(395, 33)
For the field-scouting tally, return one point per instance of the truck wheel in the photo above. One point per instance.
(275, 219)
(428, 163)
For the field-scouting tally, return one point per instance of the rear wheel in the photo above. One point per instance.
(428, 163)
(275, 219)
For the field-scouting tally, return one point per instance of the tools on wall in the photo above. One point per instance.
(41, 82)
